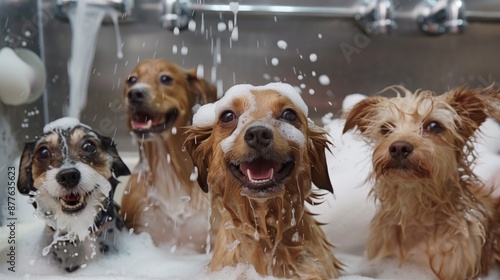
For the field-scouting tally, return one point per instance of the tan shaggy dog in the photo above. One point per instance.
(432, 208)
(161, 197)
(258, 154)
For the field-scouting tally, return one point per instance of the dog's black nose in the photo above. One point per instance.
(136, 96)
(68, 177)
(258, 137)
(400, 150)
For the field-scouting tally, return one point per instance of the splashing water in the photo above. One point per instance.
(234, 7)
(85, 23)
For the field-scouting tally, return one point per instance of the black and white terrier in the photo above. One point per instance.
(68, 174)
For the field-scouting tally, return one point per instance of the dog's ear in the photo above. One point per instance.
(361, 114)
(318, 146)
(474, 106)
(25, 178)
(203, 91)
(200, 150)
(118, 167)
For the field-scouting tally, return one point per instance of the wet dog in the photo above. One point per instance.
(68, 172)
(162, 197)
(432, 208)
(258, 155)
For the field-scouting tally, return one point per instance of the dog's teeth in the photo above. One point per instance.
(249, 175)
(149, 124)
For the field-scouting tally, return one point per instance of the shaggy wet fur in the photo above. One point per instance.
(432, 208)
(268, 227)
(161, 198)
(70, 175)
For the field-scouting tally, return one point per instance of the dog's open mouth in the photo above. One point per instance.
(261, 174)
(73, 202)
(143, 122)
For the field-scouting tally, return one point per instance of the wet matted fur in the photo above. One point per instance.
(68, 172)
(258, 160)
(161, 198)
(432, 208)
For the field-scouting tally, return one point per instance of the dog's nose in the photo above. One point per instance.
(68, 177)
(136, 96)
(258, 137)
(400, 150)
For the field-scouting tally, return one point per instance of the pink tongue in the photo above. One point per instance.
(72, 198)
(139, 125)
(259, 169)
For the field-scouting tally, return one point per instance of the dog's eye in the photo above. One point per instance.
(434, 127)
(227, 116)
(44, 154)
(132, 80)
(289, 115)
(386, 129)
(165, 79)
(89, 147)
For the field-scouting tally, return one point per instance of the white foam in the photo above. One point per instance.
(207, 113)
(63, 124)
(351, 100)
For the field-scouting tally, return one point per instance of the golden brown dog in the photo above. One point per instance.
(433, 210)
(258, 155)
(161, 197)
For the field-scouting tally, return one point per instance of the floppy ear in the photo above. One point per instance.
(318, 146)
(197, 145)
(361, 114)
(473, 107)
(202, 91)
(25, 178)
(118, 167)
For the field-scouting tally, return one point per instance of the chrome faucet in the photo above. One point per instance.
(176, 13)
(438, 17)
(123, 6)
(376, 16)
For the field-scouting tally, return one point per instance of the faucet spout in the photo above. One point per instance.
(442, 16)
(377, 16)
(122, 6)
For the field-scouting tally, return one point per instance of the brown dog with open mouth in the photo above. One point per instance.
(162, 197)
(258, 154)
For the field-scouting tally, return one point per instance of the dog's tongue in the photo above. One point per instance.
(259, 169)
(144, 121)
(142, 125)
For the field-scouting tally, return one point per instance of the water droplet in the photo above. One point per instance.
(313, 57)
(184, 50)
(192, 25)
(324, 80)
(176, 31)
(282, 44)
(274, 61)
(221, 26)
